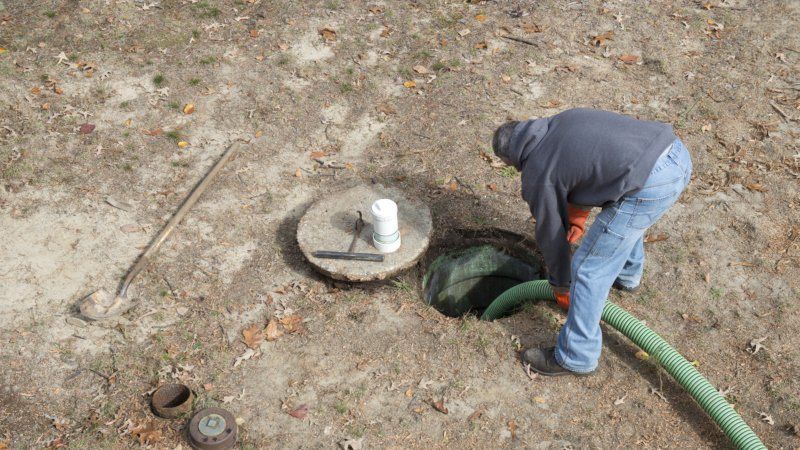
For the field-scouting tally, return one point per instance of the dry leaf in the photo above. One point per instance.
(317, 155)
(386, 32)
(253, 33)
(249, 353)
(600, 39)
(291, 323)
(189, 108)
(58, 90)
(147, 434)
(480, 17)
(439, 406)
(643, 355)
(183, 144)
(153, 132)
(409, 393)
(253, 336)
(629, 59)
(2, 50)
(481, 45)
(512, 426)
(506, 79)
(410, 84)
(551, 104)
(301, 412)
(298, 173)
(620, 400)
(464, 32)
(476, 414)
(86, 128)
(386, 109)
(272, 330)
(130, 228)
(375, 9)
(45, 106)
(756, 187)
(452, 186)
(328, 34)
(420, 70)
(655, 238)
(531, 28)
(491, 187)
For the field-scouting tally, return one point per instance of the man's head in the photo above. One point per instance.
(501, 141)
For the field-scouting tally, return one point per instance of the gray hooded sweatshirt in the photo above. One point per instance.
(585, 157)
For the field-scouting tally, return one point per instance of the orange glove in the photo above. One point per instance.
(577, 223)
(562, 296)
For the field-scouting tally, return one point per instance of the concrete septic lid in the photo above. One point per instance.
(329, 225)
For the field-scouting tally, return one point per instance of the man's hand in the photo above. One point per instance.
(577, 223)
(562, 295)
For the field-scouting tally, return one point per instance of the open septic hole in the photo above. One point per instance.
(467, 279)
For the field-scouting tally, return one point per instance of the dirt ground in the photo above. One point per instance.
(336, 93)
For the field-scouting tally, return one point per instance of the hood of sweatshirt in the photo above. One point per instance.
(526, 137)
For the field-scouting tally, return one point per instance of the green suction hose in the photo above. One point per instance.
(682, 370)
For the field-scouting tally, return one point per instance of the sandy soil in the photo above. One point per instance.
(405, 94)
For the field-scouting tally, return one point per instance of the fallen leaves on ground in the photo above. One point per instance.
(766, 418)
(756, 187)
(600, 39)
(386, 109)
(319, 154)
(291, 324)
(480, 17)
(755, 345)
(410, 84)
(512, 427)
(253, 33)
(2, 50)
(620, 400)
(301, 412)
(153, 132)
(439, 406)
(650, 238)
(629, 59)
(253, 336)
(86, 128)
(476, 414)
(329, 34)
(272, 330)
(249, 353)
(422, 70)
(183, 144)
(491, 187)
(188, 109)
(531, 28)
(147, 433)
(298, 173)
(642, 355)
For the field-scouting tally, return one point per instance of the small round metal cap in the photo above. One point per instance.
(212, 429)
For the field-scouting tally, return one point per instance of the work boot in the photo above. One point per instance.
(621, 287)
(543, 361)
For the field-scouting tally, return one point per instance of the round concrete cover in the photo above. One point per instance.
(329, 224)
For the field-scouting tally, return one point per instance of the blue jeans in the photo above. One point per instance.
(613, 249)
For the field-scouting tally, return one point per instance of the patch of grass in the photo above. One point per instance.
(44, 77)
(480, 220)
(283, 60)
(175, 135)
(180, 163)
(356, 431)
(509, 171)
(402, 285)
(211, 59)
(124, 104)
(72, 58)
(438, 66)
(332, 4)
(205, 10)
(195, 34)
(341, 407)
(345, 88)
(126, 167)
(50, 14)
(423, 54)
(194, 81)
(159, 80)
(716, 293)
(175, 105)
